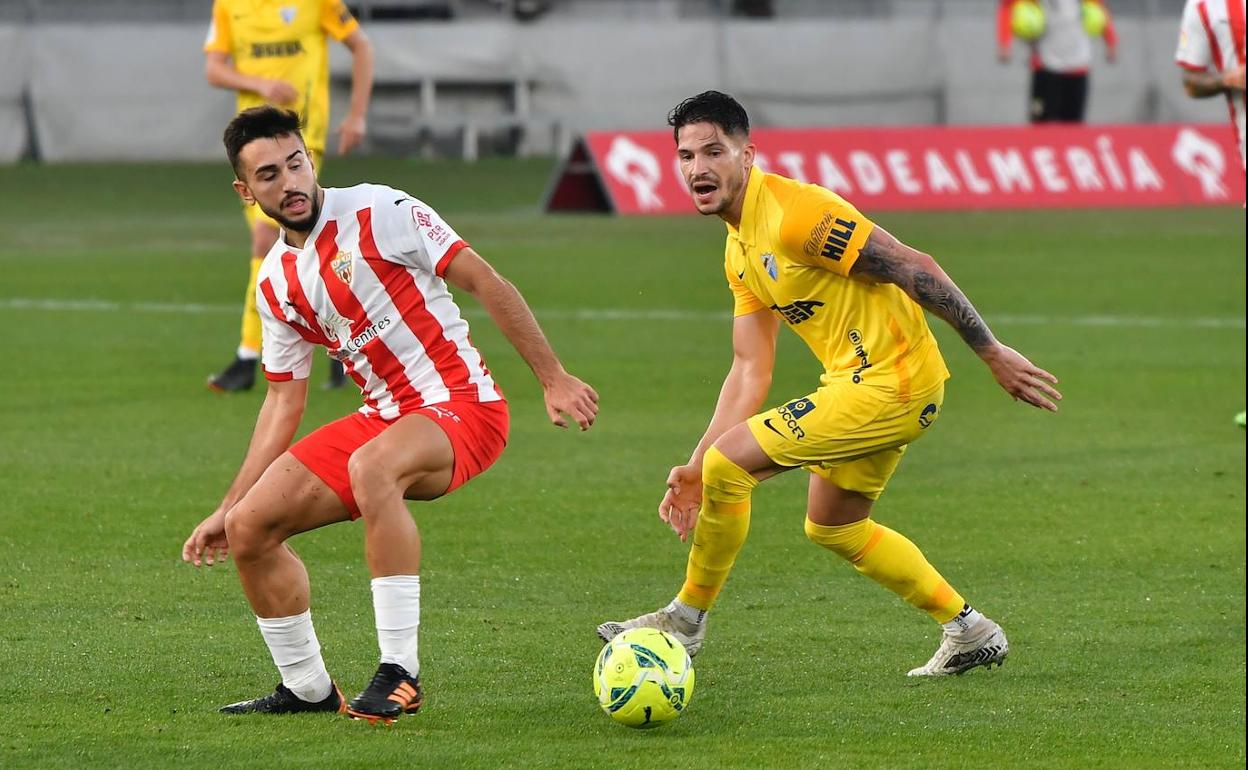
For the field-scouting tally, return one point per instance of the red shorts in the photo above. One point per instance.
(478, 433)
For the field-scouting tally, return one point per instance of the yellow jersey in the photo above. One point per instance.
(792, 254)
(283, 40)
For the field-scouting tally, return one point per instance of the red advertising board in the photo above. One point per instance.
(635, 172)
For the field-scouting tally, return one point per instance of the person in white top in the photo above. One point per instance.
(1211, 35)
(362, 271)
(1061, 58)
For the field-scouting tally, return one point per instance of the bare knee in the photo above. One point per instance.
(249, 536)
(372, 480)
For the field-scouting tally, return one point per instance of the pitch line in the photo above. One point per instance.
(614, 314)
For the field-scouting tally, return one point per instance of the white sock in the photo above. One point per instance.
(964, 621)
(247, 354)
(396, 605)
(689, 614)
(297, 653)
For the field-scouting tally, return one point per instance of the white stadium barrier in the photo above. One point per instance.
(137, 91)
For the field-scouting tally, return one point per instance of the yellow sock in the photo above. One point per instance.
(723, 523)
(251, 318)
(894, 562)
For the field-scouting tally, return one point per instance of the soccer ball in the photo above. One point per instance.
(1027, 20)
(643, 678)
(1094, 18)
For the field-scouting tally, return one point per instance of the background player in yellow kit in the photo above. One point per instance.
(801, 254)
(277, 52)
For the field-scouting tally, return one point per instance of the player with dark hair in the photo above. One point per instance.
(800, 254)
(363, 272)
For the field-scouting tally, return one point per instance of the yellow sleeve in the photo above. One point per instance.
(744, 301)
(336, 20)
(822, 229)
(219, 39)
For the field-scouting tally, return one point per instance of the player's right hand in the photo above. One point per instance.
(680, 504)
(279, 92)
(207, 543)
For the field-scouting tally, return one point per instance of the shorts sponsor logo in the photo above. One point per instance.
(864, 360)
(443, 413)
(341, 265)
(927, 416)
(791, 413)
(798, 311)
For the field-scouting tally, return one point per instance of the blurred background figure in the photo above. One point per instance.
(1211, 37)
(1059, 33)
(277, 53)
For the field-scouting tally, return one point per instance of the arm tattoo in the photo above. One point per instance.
(946, 300)
(887, 260)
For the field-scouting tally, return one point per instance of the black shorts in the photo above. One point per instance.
(1058, 97)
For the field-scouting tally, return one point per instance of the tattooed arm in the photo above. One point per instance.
(884, 259)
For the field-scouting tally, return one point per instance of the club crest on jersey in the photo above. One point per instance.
(288, 13)
(769, 264)
(342, 267)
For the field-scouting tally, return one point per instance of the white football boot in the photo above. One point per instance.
(983, 645)
(688, 634)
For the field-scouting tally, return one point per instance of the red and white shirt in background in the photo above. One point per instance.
(368, 286)
(1212, 35)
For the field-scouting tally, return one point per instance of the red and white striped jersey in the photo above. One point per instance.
(1212, 35)
(368, 286)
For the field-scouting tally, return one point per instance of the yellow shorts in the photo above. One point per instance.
(255, 216)
(845, 433)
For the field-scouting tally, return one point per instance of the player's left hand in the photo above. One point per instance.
(1021, 378)
(350, 133)
(566, 394)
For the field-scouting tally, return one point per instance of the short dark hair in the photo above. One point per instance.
(264, 122)
(710, 107)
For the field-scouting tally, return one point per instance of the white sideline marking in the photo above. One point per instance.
(615, 314)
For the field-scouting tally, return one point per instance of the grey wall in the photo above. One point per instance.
(14, 60)
(96, 94)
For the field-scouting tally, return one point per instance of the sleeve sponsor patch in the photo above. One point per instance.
(830, 237)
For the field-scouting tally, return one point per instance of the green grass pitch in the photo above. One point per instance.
(1108, 539)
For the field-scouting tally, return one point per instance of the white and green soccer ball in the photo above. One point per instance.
(643, 678)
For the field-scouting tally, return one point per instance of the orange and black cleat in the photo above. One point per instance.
(392, 693)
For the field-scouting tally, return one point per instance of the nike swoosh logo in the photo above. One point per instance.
(772, 428)
(400, 200)
(741, 274)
